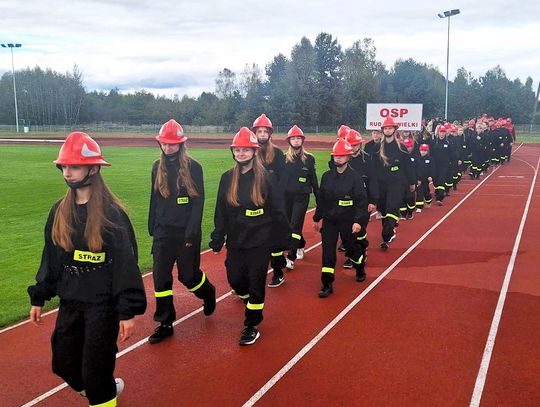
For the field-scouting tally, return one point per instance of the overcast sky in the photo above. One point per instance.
(178, 47)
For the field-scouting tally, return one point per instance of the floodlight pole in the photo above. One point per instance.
(11, 46)
(447, 14)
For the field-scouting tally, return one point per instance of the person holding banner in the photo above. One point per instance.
(392, 166)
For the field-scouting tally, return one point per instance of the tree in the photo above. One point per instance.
(302, 79)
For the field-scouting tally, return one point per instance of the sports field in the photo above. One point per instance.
(30, 184)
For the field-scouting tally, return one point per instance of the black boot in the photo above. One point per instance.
(326, 290)
(162, 332)
(209, 300)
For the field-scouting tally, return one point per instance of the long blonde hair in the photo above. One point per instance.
(257, 189)
(291, 154)
(268, 153)
(382, 154)
(184, 176)
(65, 216)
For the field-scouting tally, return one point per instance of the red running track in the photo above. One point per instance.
(414, 334)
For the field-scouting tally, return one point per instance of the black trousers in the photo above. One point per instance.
(355, 246)
(296, 207)
(84, 348)
(423, 194)
(440, 180)
(167, 252)
(246, 273)
(391, 195)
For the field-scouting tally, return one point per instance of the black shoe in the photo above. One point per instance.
(341, 248)
(360, 275)
(249, 335)
(161, 332)
(410, 216)
(384, 246)
(277, 280)
(326, 290)
(348, 264)
(210, 301)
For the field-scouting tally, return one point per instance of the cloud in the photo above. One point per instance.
(168, 47)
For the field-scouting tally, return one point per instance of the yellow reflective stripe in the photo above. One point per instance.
(439, 187)
(89, 257)
(182, 200)
(243, 296)
(419, 202)
(410, 206)
(302, 179)
(447, 184)
(277, 254)
(459, 174)
(254, 307)
(359, 260)
(345, 203)
(257, 212)
(403, 208)
(361, 237)
(296, 236)
(328, 270)
(389, 215)
(394, 168)
(203, 279)
(110, 403)
(160, 294)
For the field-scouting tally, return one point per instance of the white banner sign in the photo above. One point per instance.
(407, 116)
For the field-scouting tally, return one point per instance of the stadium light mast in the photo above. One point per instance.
(447, 14)
(11, 46)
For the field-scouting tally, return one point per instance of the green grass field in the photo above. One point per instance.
(30, 184)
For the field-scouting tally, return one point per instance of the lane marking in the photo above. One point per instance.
(289, 365)
(490, 344)
(142, 341)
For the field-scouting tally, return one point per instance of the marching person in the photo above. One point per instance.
(371, 148)
(249, 218)
(424, 171)
(392, 166)
(341, 210)
(90, 261)
(362, 163)
(300, 179)
(409, 196)
(174, 222)
(273, 160)
(443, 157)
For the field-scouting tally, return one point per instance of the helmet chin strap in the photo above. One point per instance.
(80, 184)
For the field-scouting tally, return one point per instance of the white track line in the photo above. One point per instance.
(141, 342)
(486, 358)
(30, 140)
(289, 365)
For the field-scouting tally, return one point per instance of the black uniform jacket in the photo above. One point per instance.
(112, 275)
(179, 215)
(301, 178)
(442, 153)
(399, 169)
(363, 165)
(424, 167)
(342, 197)
(248, 225)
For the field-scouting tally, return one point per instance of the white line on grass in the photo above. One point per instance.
(289, 365)
(486, 358)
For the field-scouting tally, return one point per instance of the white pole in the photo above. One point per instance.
(447, 64)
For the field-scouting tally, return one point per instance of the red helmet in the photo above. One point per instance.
(262, 121)
(408, 142)
(471, 122)
(80, 149)
(341, 147)
(245, 138)
(443, 129)
(171, 133)
(424, 147)
(342, 131)
(389, 122)
(354, 137)
(509, 120)
(295, 131)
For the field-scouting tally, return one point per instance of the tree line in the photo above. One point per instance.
(319, 84)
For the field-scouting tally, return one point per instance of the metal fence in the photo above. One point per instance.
(533, 130)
